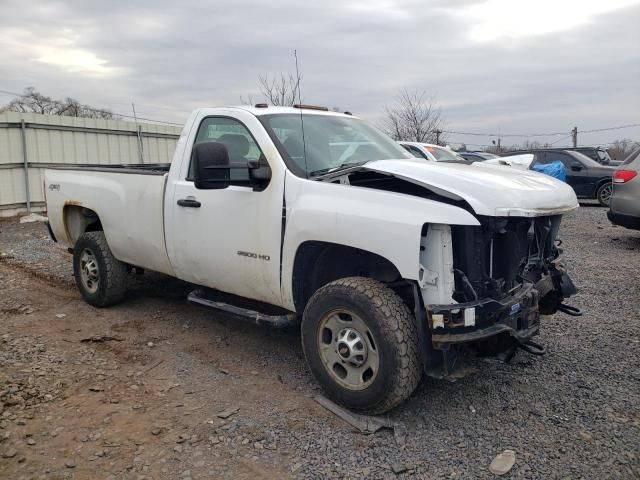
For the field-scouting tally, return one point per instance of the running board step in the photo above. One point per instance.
(288, 320)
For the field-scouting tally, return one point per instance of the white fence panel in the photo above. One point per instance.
(55, 141)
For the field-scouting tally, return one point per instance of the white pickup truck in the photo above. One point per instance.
(390, 264)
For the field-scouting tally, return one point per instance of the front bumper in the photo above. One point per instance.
(516, 315)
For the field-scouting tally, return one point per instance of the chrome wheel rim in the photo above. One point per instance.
(348, 350)
(605, 193)
(89, 272)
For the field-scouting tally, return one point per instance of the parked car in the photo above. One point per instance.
(435, 153)
(625, 198)
(387, 264)
(476, 156)
(588, 178)
(598, 154)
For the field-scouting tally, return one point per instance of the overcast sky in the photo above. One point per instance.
(503, 66)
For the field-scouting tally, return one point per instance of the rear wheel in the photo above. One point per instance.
(100, 277)
(361, 344)
(604, 194)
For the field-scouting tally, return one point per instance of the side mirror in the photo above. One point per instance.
(211, 166)
(576, 167)
(259, 172)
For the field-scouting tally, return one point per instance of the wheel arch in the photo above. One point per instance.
(599, 184)
(78, 220)
(318, 263)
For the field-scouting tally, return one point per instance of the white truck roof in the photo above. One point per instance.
(270, 110)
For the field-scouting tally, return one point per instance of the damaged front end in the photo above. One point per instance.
(506, 273)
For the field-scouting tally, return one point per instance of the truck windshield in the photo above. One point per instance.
(329, 142)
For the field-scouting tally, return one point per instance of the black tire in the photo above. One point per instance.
(396, 340)
(604, 194)
(110, 285)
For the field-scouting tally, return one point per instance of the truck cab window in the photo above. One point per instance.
(234, 135)
(414, 151)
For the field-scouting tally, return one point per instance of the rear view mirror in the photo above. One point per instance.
(259, 172)
(576, 167)
(211, 166)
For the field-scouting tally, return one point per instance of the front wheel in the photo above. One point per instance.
(604, 194)
(100, 277)
(361, 344)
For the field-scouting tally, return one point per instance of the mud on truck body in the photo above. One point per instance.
(389, 266)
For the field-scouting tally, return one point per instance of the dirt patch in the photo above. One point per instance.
(146, 405)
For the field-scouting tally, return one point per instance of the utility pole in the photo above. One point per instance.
(574, 136)
(438, 132)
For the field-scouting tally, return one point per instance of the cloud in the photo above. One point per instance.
(74, 60)
(57, 49)
(497, 19)
(533, 68)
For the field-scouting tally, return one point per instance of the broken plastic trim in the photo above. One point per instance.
(516, 315)
(569, 310)
(533, 348)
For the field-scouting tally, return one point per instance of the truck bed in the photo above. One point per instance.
(128, 200)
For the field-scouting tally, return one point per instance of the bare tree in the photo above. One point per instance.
(413, 117)
(32, 101)
(621, 148)
(71, 107)
(278, 91)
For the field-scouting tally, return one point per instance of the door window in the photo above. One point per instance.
(565, 158)
(240, 144)
(540, 158)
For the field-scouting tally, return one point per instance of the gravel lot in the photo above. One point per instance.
(146, 404)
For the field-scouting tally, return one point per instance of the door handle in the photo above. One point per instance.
(189, 202)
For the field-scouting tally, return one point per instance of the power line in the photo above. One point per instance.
(620, 127)
(559, 140)
(505, 134)
(552, 134)
(559, 146)
(11, 93)
(453, 132)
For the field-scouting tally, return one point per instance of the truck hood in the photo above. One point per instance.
(493, 190)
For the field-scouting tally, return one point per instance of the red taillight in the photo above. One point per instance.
(623, 176)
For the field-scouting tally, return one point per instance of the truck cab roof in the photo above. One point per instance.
(273, 110)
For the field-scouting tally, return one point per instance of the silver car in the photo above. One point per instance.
(625, 198)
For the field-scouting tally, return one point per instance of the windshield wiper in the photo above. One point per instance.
(332, 170)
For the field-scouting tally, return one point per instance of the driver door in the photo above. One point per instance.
(228, 238)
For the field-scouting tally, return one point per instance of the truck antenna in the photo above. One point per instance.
(304, 144)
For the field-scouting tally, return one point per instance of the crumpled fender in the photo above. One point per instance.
(385, 223)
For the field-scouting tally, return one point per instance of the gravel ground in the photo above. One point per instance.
(570, 414)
